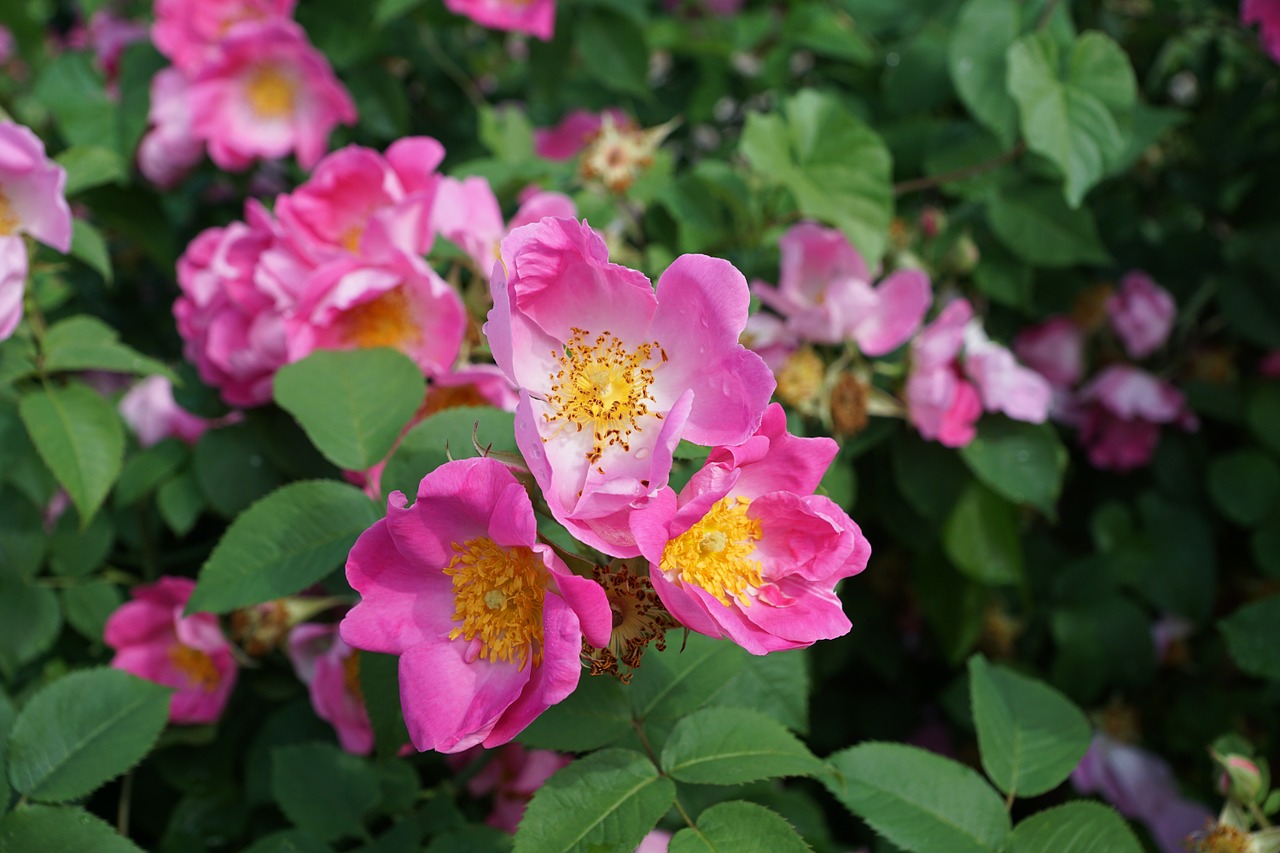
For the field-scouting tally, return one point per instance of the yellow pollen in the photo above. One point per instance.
(604, 386)
(270, 93)
(498, 594)
(9, 221)
(350, 238)
(351, 674)
(197, 666)
(716, 553)
(386, 321)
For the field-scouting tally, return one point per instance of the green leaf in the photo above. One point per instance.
(285, 542)
(89, 246)
(88, 606)
(837, 168)
(1020, 461)
(289, 841)
(82, 730)
(1101, 643)
(380, 686)
(739, 827)
(446, 435)
(1030, 736)
(594, 715)
(776, 684)
(1244, 485)
(138, 63)
(1263, 414)
(30, 621)
(388, 10)
(86, 343)
(74, 552)
(22, 538)
(983, 32)
(674, 681)
(730, 746)
(231, 468)
(147, 469)
(352, 404)
(507, 133)
(607, 801)
(180, 502)
(324, 790)
(1253, 635)
(981, 537)
(614, 49)
(90, 166)
(1180, 574)
(1075, 109)
(51, 829)
(919, 800)
(1036, 225)
(79, 436)
(74, 92)
(1077, 827)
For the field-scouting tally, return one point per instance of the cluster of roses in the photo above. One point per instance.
(245, 84)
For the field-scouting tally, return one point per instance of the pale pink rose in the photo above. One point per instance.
(188, 32)
(1120, 413)
(1265, 13)
(487, 621)
(512, 774)
(566, 140)
(657, 841)
(331, 670)
(1142, 314)
(612, 376)
(169, 151)
(13, 282)
(153, 640)
(151, 412)
(1003, 384)
(1054, 349)
(467, 213)
(265, 93)
(233, 330)
(535, 17)
(747, 551)
(32, 200)
(942, 405)
(825, 294)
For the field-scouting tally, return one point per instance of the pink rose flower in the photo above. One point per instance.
(168, 151)
(1265, 13)
(1120, 413)
(1142, 314)
(512, 774)
(747, 551)
(265, 93)
(768, 336)
(566, 140)
(331, 670)
(657, 841)
(612, 376)
(188, 32)
(153, 640)
(467, 213)
(537, 204)
(825, 295)
(151, 412)
(1054, 349)
(487, 621)
(1003, 384)
(535, 17)
(13, 283)
(8, 45)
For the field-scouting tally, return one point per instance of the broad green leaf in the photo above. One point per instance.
(473, 838)
(138, 63)
(82, 730)
(1180, 574)
(1253, 635)
(776, 684)
(919, 800)
(289, 841)
(89, 166)
(232, 469)
(180, 502)
(729, 746)
(88, 245)
(86, 343)
(928, 475)
(80, 437)
(380, 687)
(594, 715)
(352, 403)
(1036, 225)
(389, 10)
(615, 50)
(1076, 109)
(285, 542)
(1077, 827)
(74, 552)
(1263, 414)
(605, 802)
(89, 605)
(1031, 736)
(17, 359)
(446, 435)
(30, 621)
(324, 790)
(981, 537)
(738, 827)
(74, 92)
(1244, 485)
(1020, 461)
(53, 829)
(147, 469)
(22, 537)
(507, 133)
(1102, 642)
(836, 167)
(675, 681)
(828, 32)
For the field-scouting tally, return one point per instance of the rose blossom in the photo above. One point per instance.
(612, 376)
(1120, 412)
(331, 670)
(467, 213)
(747, 551)
(1142, 314)
(1054, 349)
(188, 32)
(535, 17)
(566, 140)
(1003, 384)
(169, 151)
(153, 640)
(512, 774)
(151, 412)
(264, 93)
(487, 621)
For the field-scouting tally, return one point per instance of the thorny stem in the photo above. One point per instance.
(917, 184)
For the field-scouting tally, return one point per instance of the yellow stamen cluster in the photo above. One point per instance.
(604, 386)
(197, 666)
(716, 553)
(1224, 839)
(386, 321)
(498, 594)
(270, 92)
(638, 620)
(9, 221)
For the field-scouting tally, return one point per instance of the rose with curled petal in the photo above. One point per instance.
(941, 403)
(487, 621)
(747, 551)
(1003, 384)
(612, 376)
(331, 670)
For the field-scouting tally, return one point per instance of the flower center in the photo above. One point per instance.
(1223, 839)
(716, 553)
(638, 620)
(9, 221)
(351, 674)
(603, 385)
(498, 595)
(386, 321)
(270, 93)
(197, 666)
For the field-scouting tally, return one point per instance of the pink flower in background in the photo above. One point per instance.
(13, 283)
(467, 213)
(150, 411)
(768, 336)
(1120, 413)
(1054, 349)
(1003, 384)
(487, 621)
(331, 670)
(535, 17)
(657, 841)
(153, 640)
(537, 204)
(942, 405)
(265, 93)
(168, 151)
(1265, 13)
(512, 774)
(612, 376)
(188, 32)
(747, 551)
(109, 35)
(1142, 314)
(566, 140)
(8, 45)
(1269, 365)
